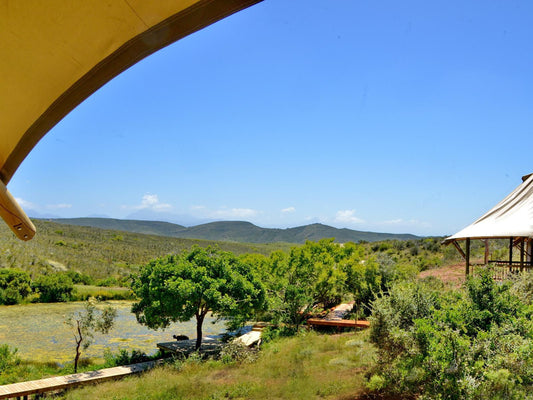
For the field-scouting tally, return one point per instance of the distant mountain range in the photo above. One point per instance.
(235, 231)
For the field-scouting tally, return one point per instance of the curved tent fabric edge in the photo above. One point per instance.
(451, 239)
(503, 207)
(168, 31)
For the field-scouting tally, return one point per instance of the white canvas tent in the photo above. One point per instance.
(511, 218)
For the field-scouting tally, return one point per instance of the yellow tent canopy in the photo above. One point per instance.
(56, 53)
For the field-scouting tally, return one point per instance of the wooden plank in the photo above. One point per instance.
(342, 323)
(67, 381)
(249, 339)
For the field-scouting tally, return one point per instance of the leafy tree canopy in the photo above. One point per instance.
(191, 284)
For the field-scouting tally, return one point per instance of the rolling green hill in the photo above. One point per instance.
(128, 225)
(100, 253)
(237, 231)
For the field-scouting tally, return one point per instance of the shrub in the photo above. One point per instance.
(80, 279)
(8, 358)
(14, 285)
(474, 343)
(53, 288)
(523, 287)
(238, 352)
(107, 282)
(271, 333)
(124, 358)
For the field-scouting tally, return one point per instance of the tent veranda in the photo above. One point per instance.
(512, 219)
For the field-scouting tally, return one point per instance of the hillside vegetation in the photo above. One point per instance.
(238, 231)
(99, 253)
(420, 330)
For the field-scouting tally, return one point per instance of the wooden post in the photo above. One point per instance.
(530, 251)
(510, 254)
(467, 256)
(461, 252)
(486, 251)
(522, 254)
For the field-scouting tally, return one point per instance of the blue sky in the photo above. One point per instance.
(387, 116)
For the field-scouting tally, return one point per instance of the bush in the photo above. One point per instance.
(470, 344)
(271, 333)
(124, 358)
(522, 287)
(80, 279)
(8, 358)
(53, 288)
(108, 282)
(14, 286)
(238, 352)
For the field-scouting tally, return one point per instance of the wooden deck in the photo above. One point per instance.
(339, 323)
(335, 316)
(24, 389)
(185, 347)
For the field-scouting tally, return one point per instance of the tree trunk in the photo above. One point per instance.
(199, 321)
(78, 344)
(79, 339)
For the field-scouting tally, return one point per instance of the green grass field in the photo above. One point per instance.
(307, 366)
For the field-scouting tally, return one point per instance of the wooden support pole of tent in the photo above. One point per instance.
(530, 251)
(486, 251)
(467, 257)
(510, 254)
(459, 249)
(521, 254)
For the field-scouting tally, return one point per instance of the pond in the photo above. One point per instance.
(39, 332)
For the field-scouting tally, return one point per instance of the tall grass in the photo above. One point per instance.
(83, 292)
(303, 367)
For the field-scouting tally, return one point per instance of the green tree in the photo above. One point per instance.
(53, 288)
(14, 285)
(194, 283)
(311, 274)
(87, 322)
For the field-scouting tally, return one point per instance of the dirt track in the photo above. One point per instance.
(453, 274)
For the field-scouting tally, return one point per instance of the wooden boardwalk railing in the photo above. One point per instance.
(41, 386)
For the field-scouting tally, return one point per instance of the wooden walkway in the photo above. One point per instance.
(339, 323)
(335, 318)
(25, 389)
